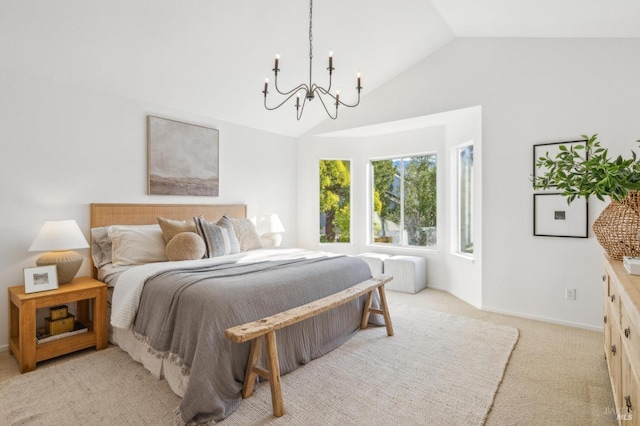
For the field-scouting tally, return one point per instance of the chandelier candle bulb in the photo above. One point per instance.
(330, 61)
(266, 84)
(359, 87)
(276, 65)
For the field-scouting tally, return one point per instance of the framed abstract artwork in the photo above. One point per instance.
(183, 159)
(553, 217)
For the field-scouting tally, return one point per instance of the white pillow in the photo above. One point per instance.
(100, 246)
(137, 244)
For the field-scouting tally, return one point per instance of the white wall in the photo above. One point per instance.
(65, 147)
(531, 91)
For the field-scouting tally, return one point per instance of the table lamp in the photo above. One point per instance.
(59, 237)
(269, 229)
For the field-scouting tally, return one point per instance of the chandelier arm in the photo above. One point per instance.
(295, 89)
(325, 92)
(291, 93)
(325, 107)
(352, 105)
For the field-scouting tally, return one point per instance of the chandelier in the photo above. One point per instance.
(309, 91)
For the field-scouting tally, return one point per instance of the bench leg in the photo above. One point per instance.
(274, 374)
(384, 311)
(251, 373)
(367, 311)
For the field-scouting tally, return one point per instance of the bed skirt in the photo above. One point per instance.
(160, 367)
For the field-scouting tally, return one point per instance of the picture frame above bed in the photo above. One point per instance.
(182, 158)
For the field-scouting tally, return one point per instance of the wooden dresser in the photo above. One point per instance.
(622, 338)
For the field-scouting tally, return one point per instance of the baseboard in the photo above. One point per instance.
(4, 348)
(544, 319)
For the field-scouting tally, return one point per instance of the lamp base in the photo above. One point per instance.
(271, 240)
(67, 263)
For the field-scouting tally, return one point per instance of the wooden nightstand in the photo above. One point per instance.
(87, 292)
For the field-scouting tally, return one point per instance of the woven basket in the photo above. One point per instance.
(618, 227)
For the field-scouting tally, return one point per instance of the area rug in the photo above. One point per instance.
(438, 369)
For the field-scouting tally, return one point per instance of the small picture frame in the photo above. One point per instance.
(553, 217)
(41, 278)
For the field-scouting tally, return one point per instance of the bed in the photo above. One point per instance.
(171, 315)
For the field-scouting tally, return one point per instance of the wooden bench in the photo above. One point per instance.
(264, 330)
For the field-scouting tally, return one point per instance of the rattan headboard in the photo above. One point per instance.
(145, 214)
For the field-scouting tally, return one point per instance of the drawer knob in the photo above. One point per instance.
(627, 332)
(613, 350)
(604, 278)
(605, 319)
(613, 297)
(627, 400)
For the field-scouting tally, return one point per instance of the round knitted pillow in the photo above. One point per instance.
(186, 246)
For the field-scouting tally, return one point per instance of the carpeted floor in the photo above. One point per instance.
(556, 375)
(437, 369)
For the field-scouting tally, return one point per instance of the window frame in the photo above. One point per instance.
(456, 222)
(369, 195)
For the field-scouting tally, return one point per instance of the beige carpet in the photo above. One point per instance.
(437, 369)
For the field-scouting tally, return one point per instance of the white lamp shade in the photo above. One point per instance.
(270, 224)
(59, 235)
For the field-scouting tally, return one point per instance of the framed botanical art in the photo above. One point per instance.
(182, 158)
(42, 278)
(553, 217)
(541, 150)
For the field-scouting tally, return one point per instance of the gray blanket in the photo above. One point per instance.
(183, 314)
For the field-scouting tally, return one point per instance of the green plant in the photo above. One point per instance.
(585, 169)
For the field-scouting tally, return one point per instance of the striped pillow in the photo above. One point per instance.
(219, 238)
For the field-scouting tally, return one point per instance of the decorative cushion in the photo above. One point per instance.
(186, 246)
(100, 246)
(226, 223)
(171, 228)
(219, 238)
(246, 233)
(136, 245)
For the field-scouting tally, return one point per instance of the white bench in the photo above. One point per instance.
(375, 261)
(409, 273)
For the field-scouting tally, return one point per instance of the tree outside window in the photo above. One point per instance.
(404, 201)
(335, 197)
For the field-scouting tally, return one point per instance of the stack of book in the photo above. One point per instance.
(59, 324)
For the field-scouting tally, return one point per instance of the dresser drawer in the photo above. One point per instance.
(629, 406)
(613, 300)
(629, 334)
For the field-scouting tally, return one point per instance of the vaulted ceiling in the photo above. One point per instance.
(210, 57)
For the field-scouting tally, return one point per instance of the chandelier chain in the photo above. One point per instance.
(310, 28)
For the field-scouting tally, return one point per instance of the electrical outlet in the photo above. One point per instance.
(570, 293)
